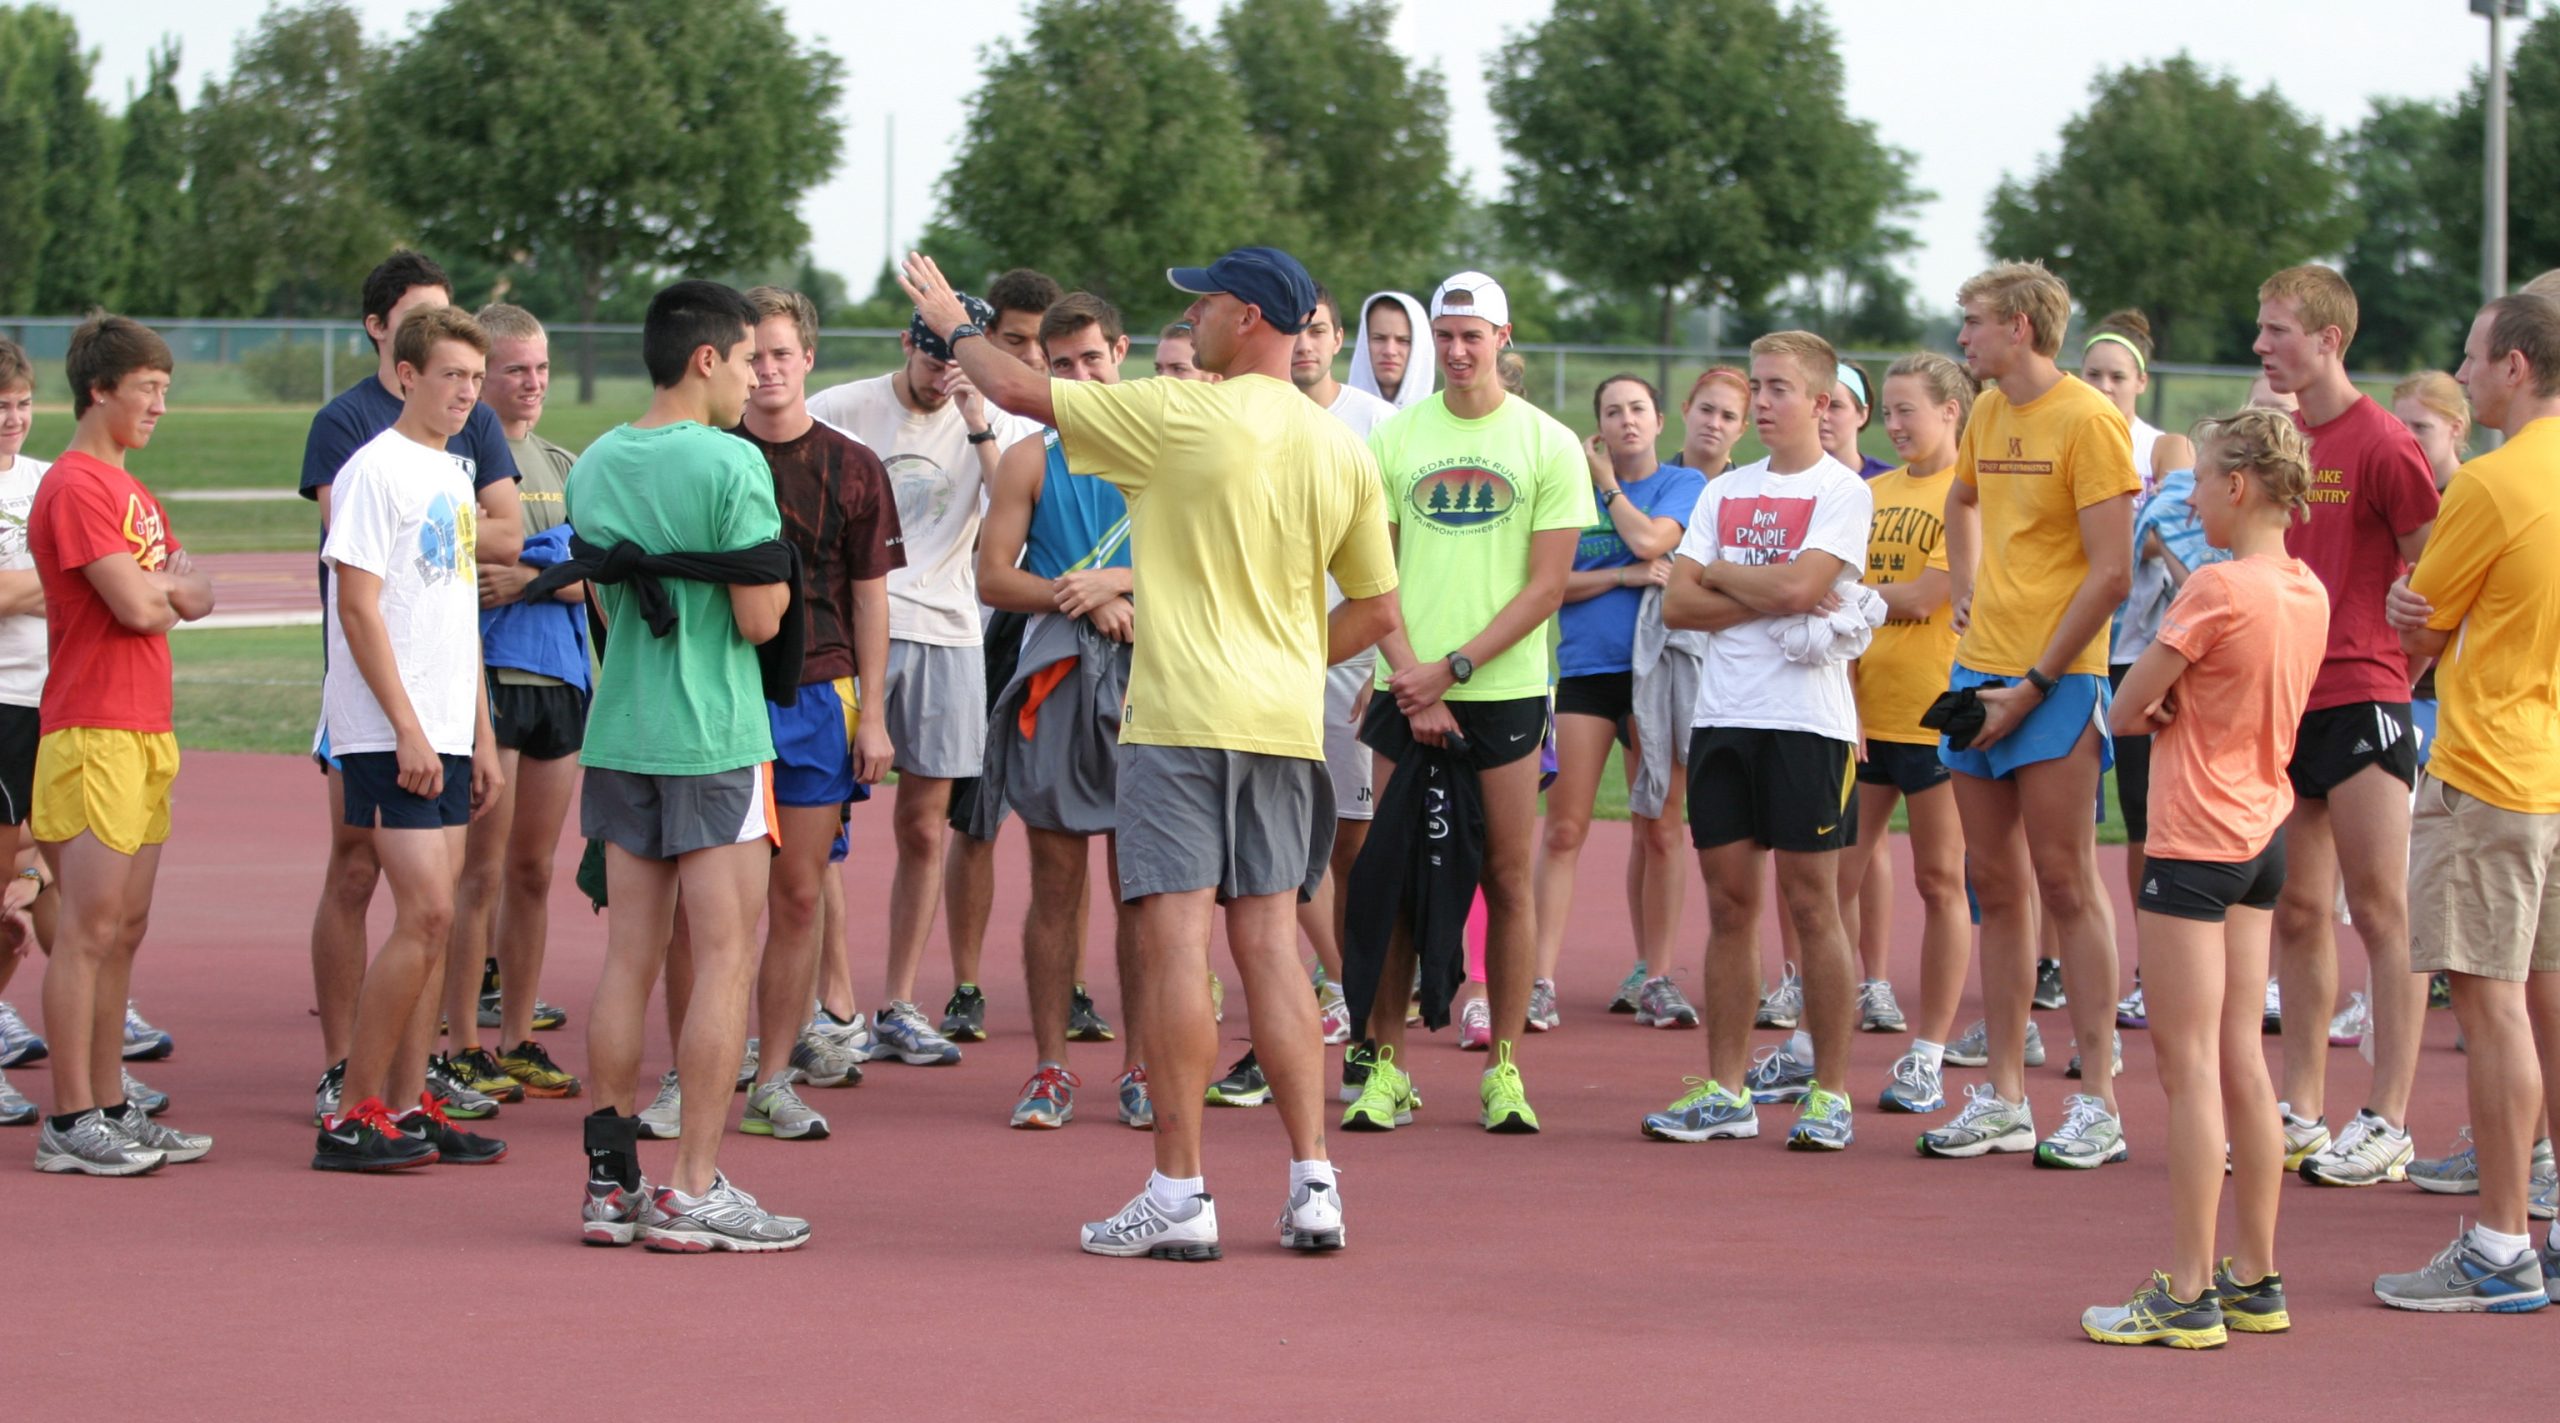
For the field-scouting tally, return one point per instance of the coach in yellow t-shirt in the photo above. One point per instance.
(2039, 553)
(2484, 851)
(1243, 495)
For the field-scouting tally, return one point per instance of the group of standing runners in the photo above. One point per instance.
(1370, 605)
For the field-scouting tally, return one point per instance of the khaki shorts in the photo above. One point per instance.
(2484, 887)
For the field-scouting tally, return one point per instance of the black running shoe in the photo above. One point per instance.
(366, 1139)
(2049, 994)
(455, 1147)
(1243, 1086)
(1084, 1024)
(1356, 1061)
(964, 1018)
(2254, 1308)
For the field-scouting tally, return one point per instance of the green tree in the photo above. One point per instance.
(285, 223)
(1104, 144)
(618, 138)
(62, 232)
(2178, 192)
(151, 187)
(1359, 135)
(1695, 151)
(2415, 291)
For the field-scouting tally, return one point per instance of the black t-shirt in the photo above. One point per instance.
(837, 510)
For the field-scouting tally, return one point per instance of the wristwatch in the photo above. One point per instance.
(1461, 666)
(2042, 683)
(980, 437)
(963, 330)
(1609, 496)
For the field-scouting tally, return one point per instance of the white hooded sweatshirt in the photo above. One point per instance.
(1421, 370)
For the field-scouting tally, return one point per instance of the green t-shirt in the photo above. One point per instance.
(1465, 495)
(690, 703)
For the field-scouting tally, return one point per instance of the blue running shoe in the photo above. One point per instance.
(1822, 1123)
(143, 1042)
(19, 1043)
(2461, 1280)
(1707, 1111)
(1916, 1086)
(904, 1034)
(1137, 1109)
(1778, 1076)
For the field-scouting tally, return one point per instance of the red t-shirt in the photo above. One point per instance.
(103, 674)
(2370, 484)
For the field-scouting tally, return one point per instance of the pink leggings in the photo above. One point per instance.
(1475, 939)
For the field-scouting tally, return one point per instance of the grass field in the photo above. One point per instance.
(258, 689)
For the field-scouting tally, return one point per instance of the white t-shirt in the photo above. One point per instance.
(404, 513)
(1751, 516)
(1359, 409)
(22, 646)
(941, 490)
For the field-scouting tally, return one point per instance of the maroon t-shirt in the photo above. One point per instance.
(2370, 484)
(837, 510)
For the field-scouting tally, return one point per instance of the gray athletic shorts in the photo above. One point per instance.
(1348, 762)
(937, 700)
(1195, 817)
(663, 817)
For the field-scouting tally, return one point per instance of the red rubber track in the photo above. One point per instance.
(1519, 1277)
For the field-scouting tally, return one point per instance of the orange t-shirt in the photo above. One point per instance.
(2253, 632)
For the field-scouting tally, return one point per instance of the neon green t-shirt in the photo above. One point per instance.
(1465, 496)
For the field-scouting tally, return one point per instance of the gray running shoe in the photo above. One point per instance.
(1705, 1112)
(2369, 1152)
(2130, 1010)
(750, 1065)
(663, 1118)
(825, 1061)
(1877, 1010)
(2460, 1280)
(2090, 1136)
(18, 1042)
(614, 1216)
(1778, 1076)
(1048, 1099)
(1974, 1048)
(1916, 1086)
(854, 1038)
(1543, 1017)
(2542, 1194)
(905, 1035)
(1660, 1004)
(964, 1017)
(2550, 1266)
(176, 1145)
(1313, 1220)
(775, 1110)
(15, 1109)
(2073, 1070)
(724, 1218)
(1137, 1109)
(92, 1146)
(143, 1042)
(2456, 1173)
(1822, 1123)
(1782, 1006)
(1187, 1232)
(152, 1103)
(460, 1102)
(1986, 1125)
(324, 1098)
(1085, 1023)
(1624, 1000)
(2049, 994)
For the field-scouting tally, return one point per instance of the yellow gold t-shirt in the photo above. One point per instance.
(1243, 495)
(2492, 569)
(1905, 667)
(2034, 467)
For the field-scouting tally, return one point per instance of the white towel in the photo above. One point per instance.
(1820, 639)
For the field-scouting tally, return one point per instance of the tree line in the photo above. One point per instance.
(1669, 163)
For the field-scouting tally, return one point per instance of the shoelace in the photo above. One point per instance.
(1980, 1100)
(531, 1051)
(1700, 1090)
(370, 1112)
(433, 1107)
(1046, 1082)
(1909, 1072)
(2085, 1115)
(1761, 1062)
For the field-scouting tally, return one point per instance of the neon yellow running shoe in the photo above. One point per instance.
(1386, 1100)
(1506, 1103)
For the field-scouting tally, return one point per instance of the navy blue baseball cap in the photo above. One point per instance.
(1264, 277)
(932, 345)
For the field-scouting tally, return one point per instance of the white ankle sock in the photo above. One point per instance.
(2501, 1248)
(1303, 1172)
(1932, 1055)
(1169, 1192)
(1800, 1045)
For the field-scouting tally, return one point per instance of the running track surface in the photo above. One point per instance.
(1585, 1269)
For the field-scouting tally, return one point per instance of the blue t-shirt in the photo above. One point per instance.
(1599, 634)
(364, 410)
(1079, 521)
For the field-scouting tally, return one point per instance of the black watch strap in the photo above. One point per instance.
(2042, 683)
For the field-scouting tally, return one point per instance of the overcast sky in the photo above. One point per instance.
(1975, 88)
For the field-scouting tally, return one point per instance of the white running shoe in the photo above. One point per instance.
(2368, 1152)
(1986, 1125)
(663, 1118)
(2302, 1139)
(2352, 1023)
(2274, 1012)
(1187, 1232)
(1313, 1220)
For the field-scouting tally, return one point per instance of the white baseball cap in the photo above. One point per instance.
(1471, 294)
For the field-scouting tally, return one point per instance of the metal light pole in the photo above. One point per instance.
(2493, 205)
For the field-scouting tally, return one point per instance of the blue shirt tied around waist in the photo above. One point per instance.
(540, 634)
(1598, 635)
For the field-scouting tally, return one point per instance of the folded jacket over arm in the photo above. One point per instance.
(774, 561)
